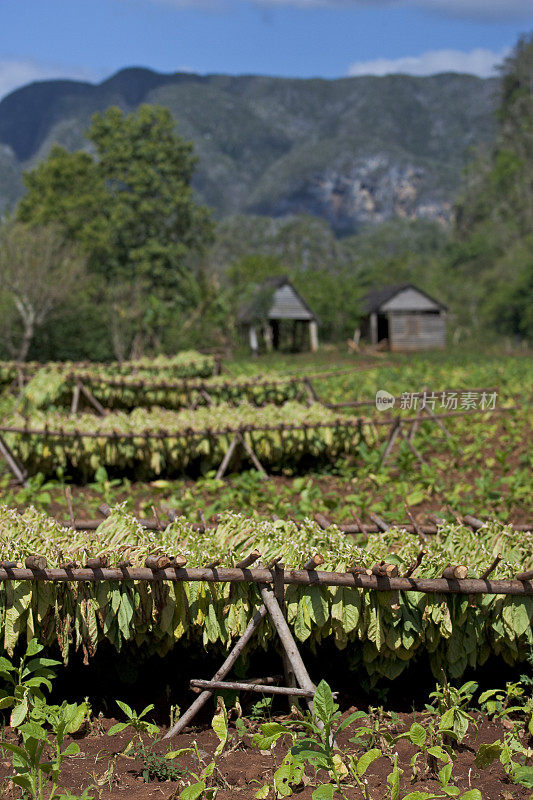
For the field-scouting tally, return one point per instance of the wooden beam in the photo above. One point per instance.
(238, 686)
(520, 585)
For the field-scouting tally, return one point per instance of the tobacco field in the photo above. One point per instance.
(152, 454)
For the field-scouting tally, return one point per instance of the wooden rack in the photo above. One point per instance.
(399, 426)
(521, 584)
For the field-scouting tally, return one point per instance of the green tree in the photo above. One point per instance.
(494, 215)
(129, 204)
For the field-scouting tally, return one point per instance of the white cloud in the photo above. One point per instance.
(479, 9)
(472, 9)
(15, 73)
(487, 10)
(479, 62)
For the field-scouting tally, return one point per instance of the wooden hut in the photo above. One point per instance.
(404, 317)
(277, 317)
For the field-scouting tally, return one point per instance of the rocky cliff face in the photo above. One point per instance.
(351, 151)
(373, 190)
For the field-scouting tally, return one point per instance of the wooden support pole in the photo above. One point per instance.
(287, 640)
(473, 522)
(255, 461)
(361, 526)
(278, 569)
(75, 398)
(525, 576)
(382, 525)
(322, 520)
(344, 527)
(316, 561)
(249, 560)
(491, 567)
(221, 471)
(14, 465)
(414, 523)
(92, 400)
(221, 673)
(415, 564)
(414, 426)
(394, 431)
(411, 447)
(439, 423)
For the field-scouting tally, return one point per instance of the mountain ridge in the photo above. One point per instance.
(351, 150)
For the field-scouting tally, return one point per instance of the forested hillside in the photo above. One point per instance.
(350, 151)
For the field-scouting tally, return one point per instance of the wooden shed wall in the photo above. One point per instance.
(287, 305)
(417, 331)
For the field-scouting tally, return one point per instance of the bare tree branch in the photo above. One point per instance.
(38, 271)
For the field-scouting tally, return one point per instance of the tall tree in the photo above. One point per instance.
(494, 216)
(130, 206)
(38, 270)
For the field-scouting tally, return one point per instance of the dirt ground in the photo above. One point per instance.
(242, 769)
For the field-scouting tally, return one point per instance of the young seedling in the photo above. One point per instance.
(35, 774)
(26, 682)
(451, 703)
(203, 777)
(318, 749)
(135, 721)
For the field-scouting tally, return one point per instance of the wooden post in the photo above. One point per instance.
(373, 328)
(227, 458)
(221, 673)
(255, 461)
(313, 335)
(439, 423)
(394, 431)
(252, 333)
(14, 465)
(279, 593)
(267, 335)
(75, 399)
(412, 448)
(288, 643)
(92, 400)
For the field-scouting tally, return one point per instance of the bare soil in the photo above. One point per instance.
(242, 769)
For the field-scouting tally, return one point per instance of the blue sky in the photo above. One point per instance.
(92, 39)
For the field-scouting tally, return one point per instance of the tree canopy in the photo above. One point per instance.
(128, 204)
(494, 247)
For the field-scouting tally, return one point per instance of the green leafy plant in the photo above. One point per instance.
(26, 682)
(318, 748)
(134, 721)
(514, 699)
(261, 709)
(450, 703)
(36, 773)
(157, 767)
(429, 748)
(205, 775)
(511, 754)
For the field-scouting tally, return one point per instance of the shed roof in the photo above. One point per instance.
(375, 299)
(286, 302)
